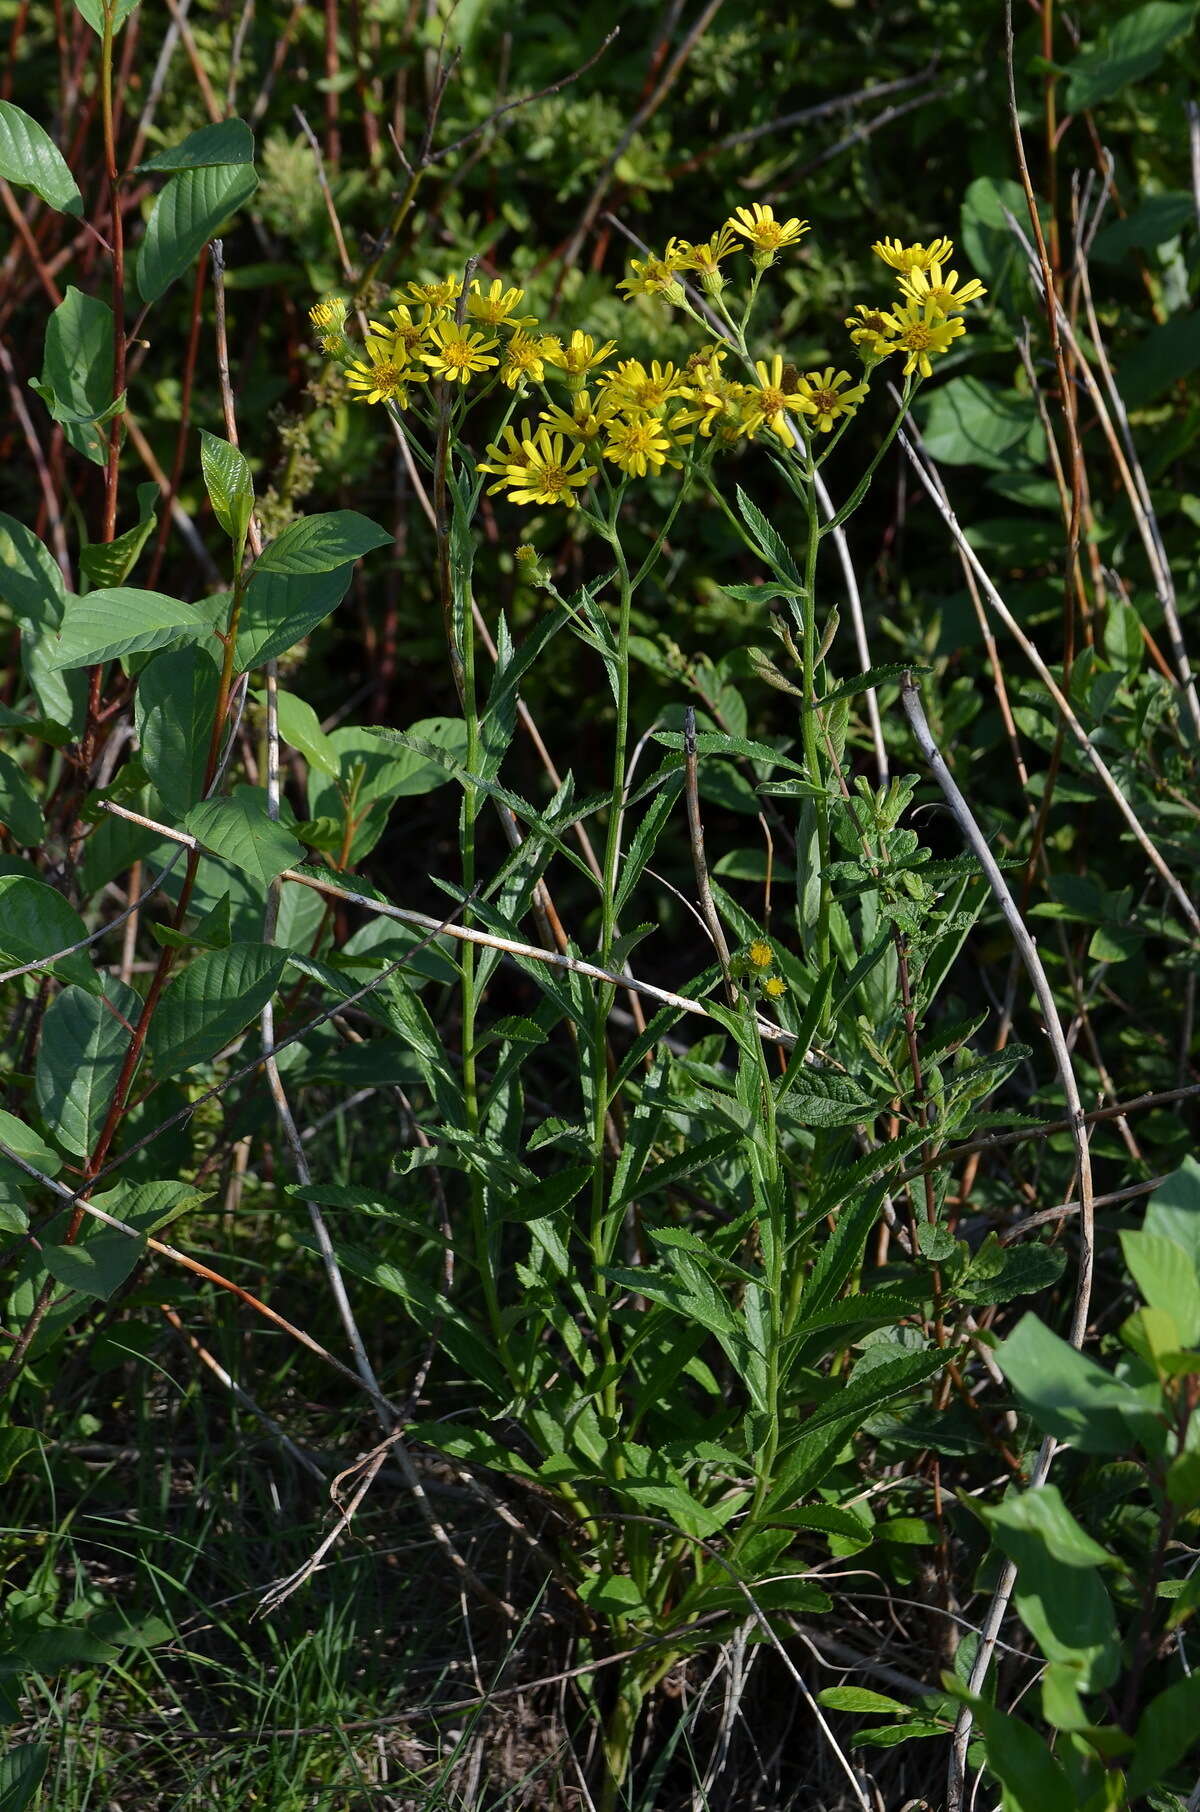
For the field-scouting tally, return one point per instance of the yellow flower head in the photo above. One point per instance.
(705, 259)
(713, 400)
(775, 987)
(438, 295)
(826, 398)
(761, 953)
(639, 446)
(868, 330)
(579, 356)
(905, 258)
(943, 292)
(656, 276)
(456, 353)
(584, 421)
(386, 373)
(523, 361)
(767, 235)
(408, 330)
(534, 468)
(631, 386)
(495, 306)
(922, 332)
(768, 403)
(329, 319)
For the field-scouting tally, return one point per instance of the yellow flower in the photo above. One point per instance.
(457, 352)
(584, 420)
(761, 953)
(631, 386)
(775, 987)
(438, 295)
(943, 292)
(705, 259)
(579, 356)
(715, 403)
(918, 257)
(868, 328)
(638, 446)
(656, 276)
(407, 329)
(533, 469)
(523, 361)
(768, 403)
(385, 374)
(827, 400)
(495, 306)
(767, 235)
(922, 331)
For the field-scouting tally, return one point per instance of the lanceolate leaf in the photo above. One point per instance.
(226, 142)
(214, 999)
(318, 544)
(31, 581)
(278, 611)
(84, 1042)
(241, 831)
(35, 921)
(173, 711)
(30, 158)
(77, 372)
(194, 205)
(111, 562)
(123, 620)
(229, 484)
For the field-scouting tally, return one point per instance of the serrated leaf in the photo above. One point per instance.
(123, 620)
(1000, 1273)
(226, 142)
(35, 921)
(174, 707)
(230, 487)
(319, 544)
(30, 158)
(214, 999)
(192, 207)
(84, 1042)
(240, 830)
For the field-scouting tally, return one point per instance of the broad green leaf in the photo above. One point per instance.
(278, 611)
(24, 1141)
(1174, 1210)
(226, 142)
(48, 1650)
(20, 813)
(30, 158)
(229, 485)
(21, 1771)
(35, 921)
(123, 620)
(1059, 1595)
(860, 1698)
(77, 372)
(149, 1206)
(192, 207)
(97, 1266)
(1165, 1734)
(15, 1443)
(214, 999)
(93, 12)
(173, 711)
(393, 771)
(970, 423)
(989, 245)
(1133, 48)
(301, 729)
(999, 1273)
(1168, 352)
(111, 562)
(1154, 1264)
(84, 1043)
(31, 581)
(240, 830)
(1033, 1780)
(319, 544)
(1068, 1395)
(1155, 220)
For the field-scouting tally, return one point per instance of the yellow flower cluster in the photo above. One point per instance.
(760, 958)
(622, 412)
(927, 319)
